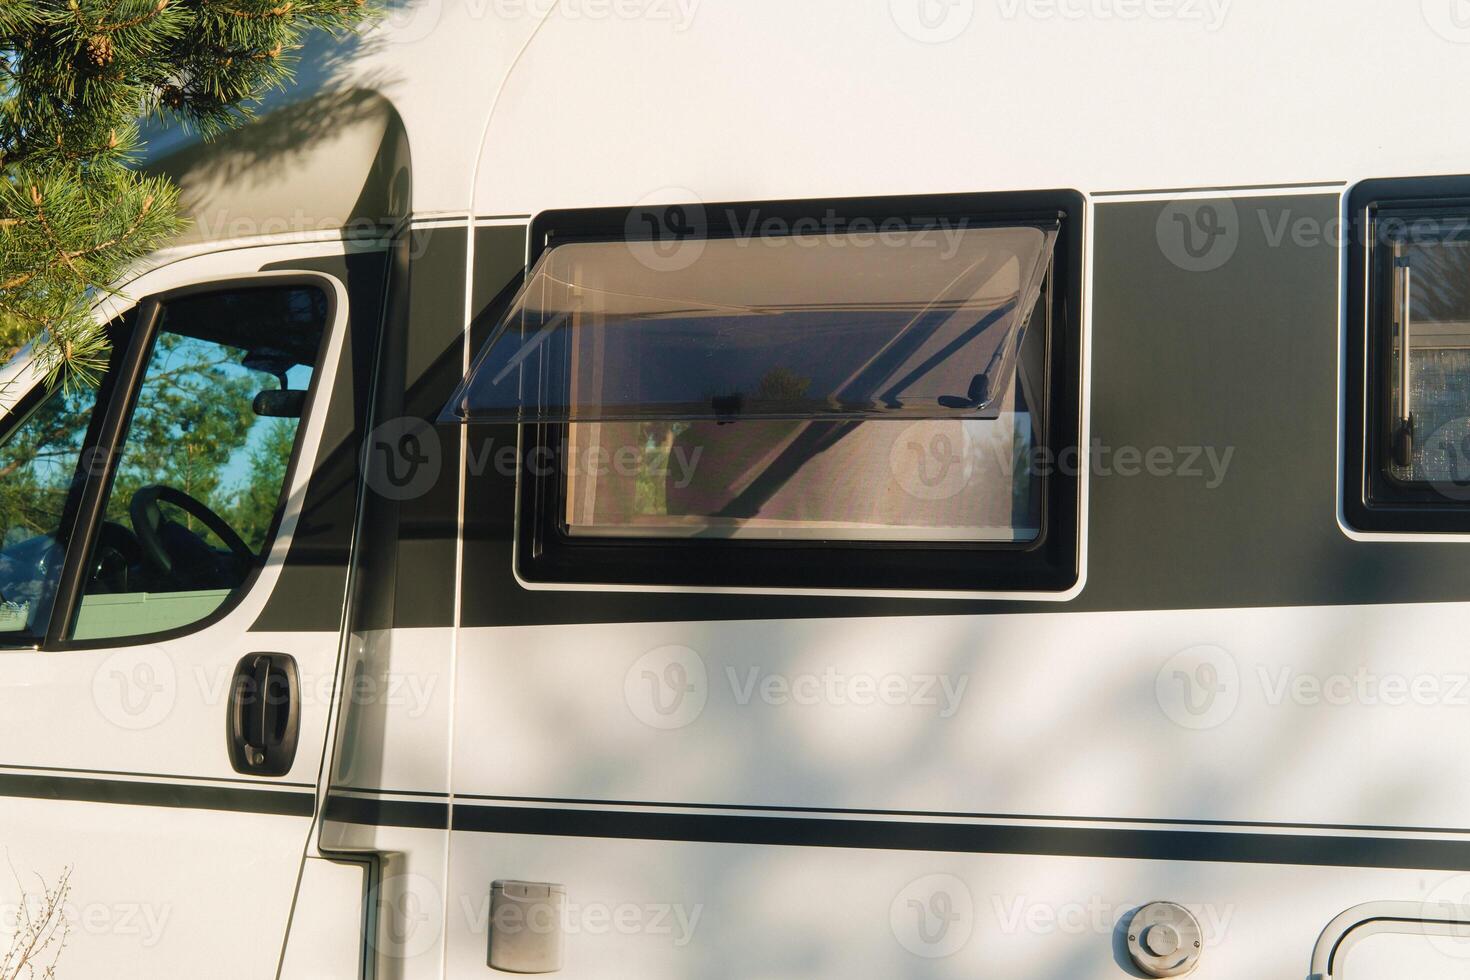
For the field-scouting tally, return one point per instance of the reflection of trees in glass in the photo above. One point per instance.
(255, 505)
(38, 463)
(194, 430)
(655, 442)
(781, 384)
(193, 414)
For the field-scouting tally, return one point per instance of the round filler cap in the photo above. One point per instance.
(1164, 939)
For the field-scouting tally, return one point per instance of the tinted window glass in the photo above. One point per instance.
(1429, 308)
(924, 480)
(200, 479)
(38, 474)
(913, 324)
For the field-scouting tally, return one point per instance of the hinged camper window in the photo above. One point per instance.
(908, 323)
(1409, 447)
(746, 395)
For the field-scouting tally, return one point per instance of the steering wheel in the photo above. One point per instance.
(148, 523)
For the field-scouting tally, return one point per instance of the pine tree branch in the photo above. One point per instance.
(76, 76)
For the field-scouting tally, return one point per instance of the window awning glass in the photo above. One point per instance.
(913, 324)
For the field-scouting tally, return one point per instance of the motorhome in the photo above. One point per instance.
(636, 488)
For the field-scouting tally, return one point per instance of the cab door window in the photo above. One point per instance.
(200, 475)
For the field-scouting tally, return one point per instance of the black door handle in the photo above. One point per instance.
(264, 716)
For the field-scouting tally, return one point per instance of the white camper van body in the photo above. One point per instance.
(1243, 700)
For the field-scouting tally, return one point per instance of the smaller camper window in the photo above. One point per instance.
(1409, 447)
(835, 395)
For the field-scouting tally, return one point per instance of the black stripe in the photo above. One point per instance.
(941, 814)
(278, 803)
(1225, 188)
(387, 813)
(168, 777)
(1149, 845)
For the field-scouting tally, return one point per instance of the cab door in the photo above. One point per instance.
(173, 554)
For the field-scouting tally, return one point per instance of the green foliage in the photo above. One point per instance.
(193, 430)
(191, 418)
(76, 76)
(255, 505)
(38, 463)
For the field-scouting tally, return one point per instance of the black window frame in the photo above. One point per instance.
(1049, 563)
(1374, 499)
(107, 434)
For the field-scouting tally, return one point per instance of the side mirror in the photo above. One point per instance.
(280, 403)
